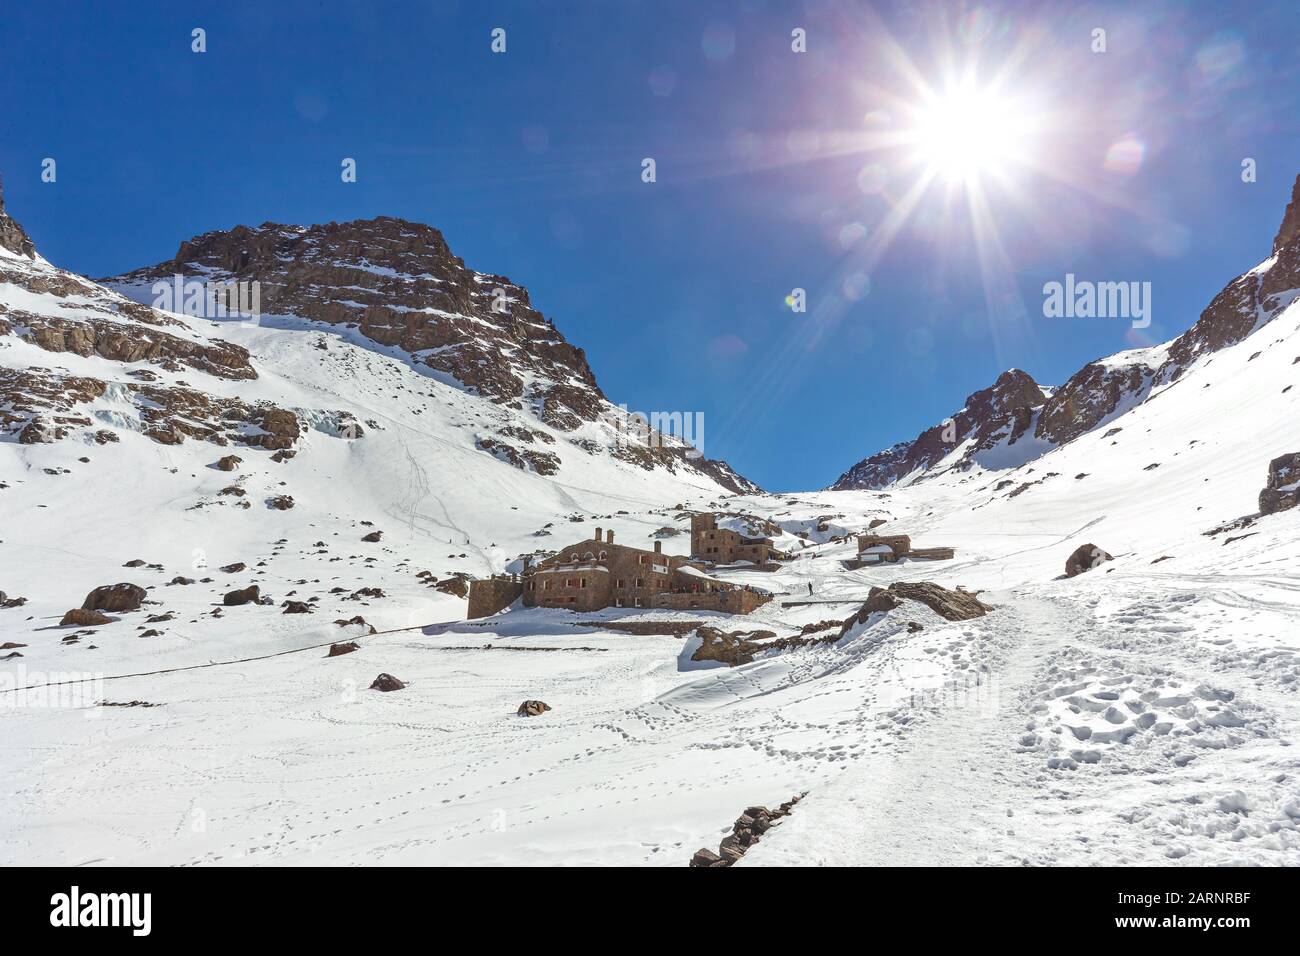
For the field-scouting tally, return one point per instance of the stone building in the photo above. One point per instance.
(878, 548)
(724, 546)
(598, 573)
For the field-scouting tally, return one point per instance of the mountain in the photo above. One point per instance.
(398, 285)
(993, 429)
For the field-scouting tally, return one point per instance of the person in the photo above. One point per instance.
(810, 589)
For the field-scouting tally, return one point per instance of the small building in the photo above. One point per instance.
(881, 548)
(724, 546)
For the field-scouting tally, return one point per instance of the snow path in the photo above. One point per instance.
(944, 798)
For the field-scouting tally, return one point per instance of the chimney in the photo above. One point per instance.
(659, 547)
(609, 536)
(597, 534)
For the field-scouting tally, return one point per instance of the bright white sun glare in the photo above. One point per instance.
(966, 133)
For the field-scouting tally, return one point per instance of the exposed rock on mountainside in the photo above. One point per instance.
(1283, 488)
(1002, 413)
(12, 235)
(948, 604)
(1106, 387)
(399, 285)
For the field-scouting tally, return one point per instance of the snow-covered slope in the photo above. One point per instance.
(1140, 712)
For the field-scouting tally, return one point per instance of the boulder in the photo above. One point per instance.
(280, 502)
(297, 607)
(532, 708)
(347, 647)
(950, 605)
(229, 463)
(1085, 558)
(386, 683)
(1283, 488)
(249, 595)
(234, 568)
(373, 536)
(83, 617)
(116, 598)
(180, 579)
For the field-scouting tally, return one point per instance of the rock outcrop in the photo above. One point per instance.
(12, 235)
(532, 708)
(1002, 413)
(949, 605)
(748, 829)
(1283, 488)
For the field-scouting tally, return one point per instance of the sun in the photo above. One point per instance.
(966, 132)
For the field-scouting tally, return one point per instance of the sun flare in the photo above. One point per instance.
(966, 133)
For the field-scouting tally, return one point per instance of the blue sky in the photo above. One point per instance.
(770, 176)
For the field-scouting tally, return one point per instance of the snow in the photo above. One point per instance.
(1141, 713)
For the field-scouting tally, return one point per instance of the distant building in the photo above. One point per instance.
(878, 548)
(724, 546)
(597, 573)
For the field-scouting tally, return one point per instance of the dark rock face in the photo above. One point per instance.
(1283, 488)
(532, 708)
(1085, 558)
(229, 462)
(1290, 227)
(1002, 412)
(116, 598)
(249, 595)
(1088, 397)
(12, 235)
(386, 683)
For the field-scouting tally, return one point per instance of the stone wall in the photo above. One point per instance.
(491, 595)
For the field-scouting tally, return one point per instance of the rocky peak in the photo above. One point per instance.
(400, 285)
(1290, 227)
(1003, 412)
(12, 235)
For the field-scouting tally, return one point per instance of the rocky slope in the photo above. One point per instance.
(999, 417)
(399, 285)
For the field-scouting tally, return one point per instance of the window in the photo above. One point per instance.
(618, 602)
(582, 582)
(621, 583)
(638, 602)
(547, 586)
(574, 556)
(639, 584)
(604, 555)
(641, 559)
